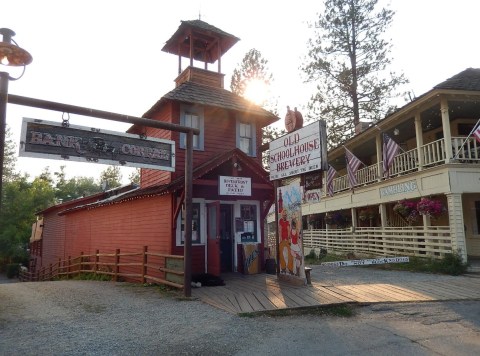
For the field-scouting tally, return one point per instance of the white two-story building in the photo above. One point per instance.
(437, 160)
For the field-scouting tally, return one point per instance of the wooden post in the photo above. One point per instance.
(50, 277)
(97, 258)
(144, 263)
(81, 262)
(117, 261)
(69, 266)
(59, 266)
(187, 248)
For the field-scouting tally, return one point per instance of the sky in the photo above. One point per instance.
(106, 55)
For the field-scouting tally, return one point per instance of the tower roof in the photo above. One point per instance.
(209, 42)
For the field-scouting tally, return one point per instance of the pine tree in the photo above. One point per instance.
(348, 59)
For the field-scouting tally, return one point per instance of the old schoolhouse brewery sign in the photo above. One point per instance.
(46, 139)
(299, 152)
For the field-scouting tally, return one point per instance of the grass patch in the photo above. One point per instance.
(451, 264)
(91, 277)
(341, 311)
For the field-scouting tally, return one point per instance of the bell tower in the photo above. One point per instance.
(200, 41)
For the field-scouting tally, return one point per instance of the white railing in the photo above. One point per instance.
(433, 153)
(434, 241)
(466, 150)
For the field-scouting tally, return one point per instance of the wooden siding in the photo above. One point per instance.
(201, 76)
(53, 247)
(128, 226)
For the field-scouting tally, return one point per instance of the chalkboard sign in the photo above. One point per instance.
(312, 180)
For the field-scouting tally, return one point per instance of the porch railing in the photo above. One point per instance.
(433, 241)
(433, 153)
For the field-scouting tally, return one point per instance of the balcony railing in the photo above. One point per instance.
(433, 153)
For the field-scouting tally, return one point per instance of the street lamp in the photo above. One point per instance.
(10, 55)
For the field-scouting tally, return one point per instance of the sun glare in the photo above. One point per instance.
(256, 91)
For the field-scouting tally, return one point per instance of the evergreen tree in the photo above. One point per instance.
(111, 178)
(134, 177)
(348, 59)
(253, 70)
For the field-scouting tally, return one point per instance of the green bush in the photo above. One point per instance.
(12, 270)
(451, 264)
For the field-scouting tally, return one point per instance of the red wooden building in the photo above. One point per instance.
(231, 190)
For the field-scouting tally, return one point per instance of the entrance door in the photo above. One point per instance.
(213, 238)
(226, 238)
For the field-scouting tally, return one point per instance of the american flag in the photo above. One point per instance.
(390, 150)
(476, 133)
(352, 166)
(330, 175)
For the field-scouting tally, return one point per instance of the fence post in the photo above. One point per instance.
(97, 259)
(60, 270)
(144, 263)
(117, 261)
(69, 266)
(81, 262)
(50, 272)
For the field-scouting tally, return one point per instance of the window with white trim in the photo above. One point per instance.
(246, 140)
(192, 117)
(198, 230)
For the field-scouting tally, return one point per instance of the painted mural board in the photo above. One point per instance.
(48, 139)
(289, 202)
(251, 258)
(299, 152)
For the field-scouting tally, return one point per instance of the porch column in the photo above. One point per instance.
(383, 215)
(419, 139)
(354, 219)
(457, 224)
(447, 135)
(378, 147)
(354, 228)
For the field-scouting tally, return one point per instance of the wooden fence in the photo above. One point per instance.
(141, 267)
(433, 241)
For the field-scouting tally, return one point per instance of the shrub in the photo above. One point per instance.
(12, 270)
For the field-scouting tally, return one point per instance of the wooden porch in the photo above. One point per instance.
(264, 292)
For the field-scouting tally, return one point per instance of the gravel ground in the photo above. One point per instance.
(108, 318)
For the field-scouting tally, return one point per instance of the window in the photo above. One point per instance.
(248, 215)
(246, 137)
(192, 117)
(196, 225)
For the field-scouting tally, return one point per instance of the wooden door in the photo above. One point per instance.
(213, 238)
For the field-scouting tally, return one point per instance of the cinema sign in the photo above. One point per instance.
(46, 139)
(299, 152)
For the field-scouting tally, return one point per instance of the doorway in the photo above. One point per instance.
(226, 238)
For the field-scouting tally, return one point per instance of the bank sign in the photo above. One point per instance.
(46, 139)
(299, 152)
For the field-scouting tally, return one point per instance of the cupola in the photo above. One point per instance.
(200, 41)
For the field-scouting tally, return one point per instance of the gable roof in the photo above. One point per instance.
(178, 183)
(469, 79)
(195, 93)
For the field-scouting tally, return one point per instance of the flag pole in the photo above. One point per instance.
(464, 142)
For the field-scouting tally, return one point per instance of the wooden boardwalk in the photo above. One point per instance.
(262, 292)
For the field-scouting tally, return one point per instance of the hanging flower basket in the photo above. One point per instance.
(336, 218)
(407, 209)
(430, 207)
(367, 214)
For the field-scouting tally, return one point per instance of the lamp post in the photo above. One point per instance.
(10, 55)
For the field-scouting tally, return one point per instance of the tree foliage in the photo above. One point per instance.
(348, 59)
(255, 68)
(9, 158)
(111, 177)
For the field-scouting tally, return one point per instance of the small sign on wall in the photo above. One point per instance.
(239, 186)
